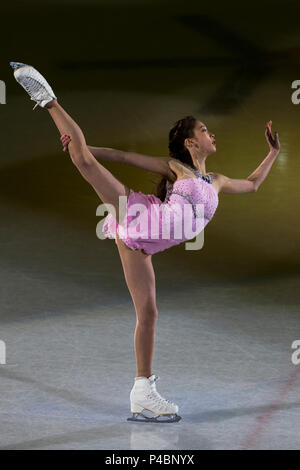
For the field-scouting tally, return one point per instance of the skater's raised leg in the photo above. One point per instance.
(105, 184)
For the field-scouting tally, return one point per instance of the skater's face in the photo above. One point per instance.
(203, 141)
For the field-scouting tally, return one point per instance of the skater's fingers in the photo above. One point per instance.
(65, 138)
(269, 134)
(277, 142)
(67, 141)
(65, 144)
(269, 124)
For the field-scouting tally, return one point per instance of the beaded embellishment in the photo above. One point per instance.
(189, 199)
(207, 179)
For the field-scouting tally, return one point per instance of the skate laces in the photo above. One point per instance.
(34, 84)
(33, 87)
(154, 395)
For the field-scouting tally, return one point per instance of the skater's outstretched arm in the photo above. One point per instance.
(252, 183)
(153, 164)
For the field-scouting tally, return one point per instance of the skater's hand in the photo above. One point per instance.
(65, 140)
(273, 142)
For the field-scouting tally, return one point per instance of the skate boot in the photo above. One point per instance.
(34, 83)
(148, 405)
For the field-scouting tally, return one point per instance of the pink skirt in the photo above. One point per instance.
(149, 224)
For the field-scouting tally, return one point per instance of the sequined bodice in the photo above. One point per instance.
(195, 191)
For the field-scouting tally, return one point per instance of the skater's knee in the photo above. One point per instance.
(147, 316)
(80, 158)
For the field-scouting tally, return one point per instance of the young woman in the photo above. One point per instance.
(184, 182)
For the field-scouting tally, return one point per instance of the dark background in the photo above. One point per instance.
(228, 313)
(127, 71)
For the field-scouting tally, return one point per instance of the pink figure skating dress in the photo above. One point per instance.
(151, 225)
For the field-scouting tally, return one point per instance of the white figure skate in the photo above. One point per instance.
(148, 405)
(34, 83)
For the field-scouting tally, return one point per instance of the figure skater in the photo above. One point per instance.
(184, 181)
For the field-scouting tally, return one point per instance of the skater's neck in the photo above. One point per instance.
(199, 162)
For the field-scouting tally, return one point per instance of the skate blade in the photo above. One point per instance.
(17, 65)
(149, 417)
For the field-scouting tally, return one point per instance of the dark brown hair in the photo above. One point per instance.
(182, 129)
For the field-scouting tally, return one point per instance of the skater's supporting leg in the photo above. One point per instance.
(140, 279)
(144, 398)
(105, 184)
